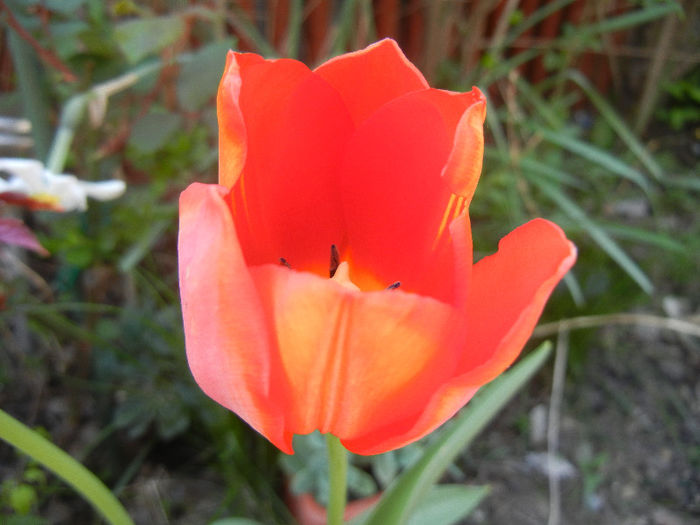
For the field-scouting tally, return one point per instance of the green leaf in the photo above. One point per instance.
(142, 37)
(384, 467)
(596, 155)
(360, 483)
(616, 123)
(550, 172)
(153, 130)
(533, 19)
(402, 498)
(641, 16)
(148, 237)
(597, 233)
(448, 504)
(63, 465)
(242, 23)
(199, 77)
(64, 7)
(686, 182)
(660, 240)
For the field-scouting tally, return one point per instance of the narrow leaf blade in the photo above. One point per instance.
(409, 489)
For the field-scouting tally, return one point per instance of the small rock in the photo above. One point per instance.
(550, 466)
(538, 425)
(675, 306)
(663, 516)
(631, 208)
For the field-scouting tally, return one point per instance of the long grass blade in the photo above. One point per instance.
(616, 123)
(403, 496)
(594, 154)
(63, 465)
(598, 234)
(627, 20)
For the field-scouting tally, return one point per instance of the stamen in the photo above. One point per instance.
(394, 286)
(335, 260)
(284, 262)
(449, 210)
(455, 207)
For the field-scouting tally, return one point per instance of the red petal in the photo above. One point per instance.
(508, 292)
(447, 399)
(370, 78)
(13, 231)
(507, 295)
(463, 167)
(232, 133)
(395, 200)
(227, 338)
(286, 201)
(358, 362)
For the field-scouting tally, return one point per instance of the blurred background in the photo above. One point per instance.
(593, 122)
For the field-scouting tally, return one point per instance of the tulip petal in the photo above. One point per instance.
(357, 362)
(232, 133)
(446, 401)
(397, 206)
(463, 167)
(508, 292)
(369, 78)
(285, 202)
(228, 346)
(506, 297)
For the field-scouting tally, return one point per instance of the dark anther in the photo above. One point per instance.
(284, 262)
(394, 286)
(335, 260)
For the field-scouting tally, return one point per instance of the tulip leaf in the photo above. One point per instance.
(448, 504)
(409, 490)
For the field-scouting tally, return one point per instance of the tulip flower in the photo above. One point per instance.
(327, 281)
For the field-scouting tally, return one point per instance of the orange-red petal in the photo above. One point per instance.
(356, 362)
(369, 78)
(226, 333)
(232, 132)
(397, 205)
(463, 167)
(508, 292)
(506, 297)
(286, 202)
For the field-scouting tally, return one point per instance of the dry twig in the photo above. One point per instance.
(594, 321)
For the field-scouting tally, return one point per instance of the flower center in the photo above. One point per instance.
(340, 271)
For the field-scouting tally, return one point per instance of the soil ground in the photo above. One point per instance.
(629, 439)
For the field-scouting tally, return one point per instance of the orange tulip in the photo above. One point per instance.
(363, 156)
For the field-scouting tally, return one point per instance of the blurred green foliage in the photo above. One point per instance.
(557, 148)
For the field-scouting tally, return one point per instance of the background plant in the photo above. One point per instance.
(92, 347)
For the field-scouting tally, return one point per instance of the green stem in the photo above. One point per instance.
(338, 470)
(53, 458)
(74, 109)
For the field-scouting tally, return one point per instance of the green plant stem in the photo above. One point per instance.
(63, 465)
(338, 471)
(74, 109)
